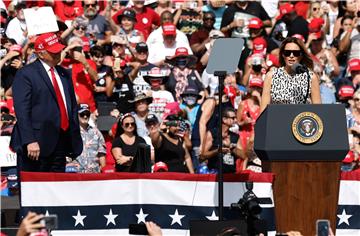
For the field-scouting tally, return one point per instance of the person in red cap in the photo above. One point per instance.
(353, 67)
(47, 128)
(159, 51)
(182, 75)
(295, 24)
(325, 63)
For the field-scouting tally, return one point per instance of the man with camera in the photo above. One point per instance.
(84, 73)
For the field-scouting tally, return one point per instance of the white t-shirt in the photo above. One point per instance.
(156, 37)
(160, 99)
(15, 30)
(158, 51)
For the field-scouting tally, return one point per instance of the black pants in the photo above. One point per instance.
(53, 163)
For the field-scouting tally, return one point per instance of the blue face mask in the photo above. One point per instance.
(190, 100)
(181, 62)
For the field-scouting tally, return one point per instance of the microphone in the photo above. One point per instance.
(299, 69)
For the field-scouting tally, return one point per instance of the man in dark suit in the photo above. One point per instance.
(47, 129)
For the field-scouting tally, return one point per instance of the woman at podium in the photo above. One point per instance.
(294, 82)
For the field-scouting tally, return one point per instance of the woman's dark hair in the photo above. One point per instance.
(97, 51)
(120, 130)
(249, 95)
(305, 57)
(227, 110)
(346, 18)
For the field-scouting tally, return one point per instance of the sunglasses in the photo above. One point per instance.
(90, 5)
(209, 18)
(127, 125)
(356, 99)
(316, 9)
(231, 117)
(85, 113)
(80, 27)
(296, 53)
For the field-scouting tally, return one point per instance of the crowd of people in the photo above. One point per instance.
(148, 59)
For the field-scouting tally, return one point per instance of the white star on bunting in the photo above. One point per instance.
(141, 216)
(213, 216)
(344, 218)
(110, 218)
(79, 218)
(176, 218)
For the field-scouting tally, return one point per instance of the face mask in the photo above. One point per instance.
(190, 100)
(257, 68)
(181, 62)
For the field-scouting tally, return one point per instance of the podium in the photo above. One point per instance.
(303, 145)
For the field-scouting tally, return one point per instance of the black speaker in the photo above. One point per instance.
(213, 228)
(142, 160)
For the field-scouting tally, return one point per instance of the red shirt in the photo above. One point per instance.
(145, 20)
(83, 85)
(68, 12)
(301, 9)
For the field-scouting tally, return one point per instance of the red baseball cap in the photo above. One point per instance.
(182, 51)
(285, 9)
(299, 36)
(259, 45)
(49, 42)
(354, 64)
(169, 29)
(86, 44)
(255, 23)
(16, 48)
(315, 26)
(160, 166)
(346, 91)
(171, 108)
(256, 82)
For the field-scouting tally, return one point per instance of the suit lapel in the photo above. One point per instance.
(46, 78)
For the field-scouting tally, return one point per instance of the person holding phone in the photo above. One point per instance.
(84, 72)
(231, 145)
(169, 147)
(126, 142)
(294, 82)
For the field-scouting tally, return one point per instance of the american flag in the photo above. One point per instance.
(348, 212)
(105, 204)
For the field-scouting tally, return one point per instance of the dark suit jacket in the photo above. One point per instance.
(37, 110)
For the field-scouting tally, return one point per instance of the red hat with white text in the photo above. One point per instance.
(48, 42)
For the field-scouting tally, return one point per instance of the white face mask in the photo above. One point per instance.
(190, 100)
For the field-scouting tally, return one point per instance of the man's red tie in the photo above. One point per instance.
(63, 115)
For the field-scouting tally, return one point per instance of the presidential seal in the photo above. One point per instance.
(307, 127)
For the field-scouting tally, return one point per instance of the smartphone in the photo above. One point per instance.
(322, 227)
(138, 229)
(77, 49)
(3, 53)
(50, 222)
